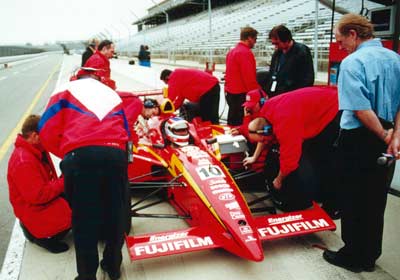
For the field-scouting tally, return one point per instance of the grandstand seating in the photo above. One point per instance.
(190, 36)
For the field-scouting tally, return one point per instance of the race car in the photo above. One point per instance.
(190, 162)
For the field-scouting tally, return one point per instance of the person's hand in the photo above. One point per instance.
(388, 136)
(277, 183)
(248, 161)
(234, 131)
(394, 145)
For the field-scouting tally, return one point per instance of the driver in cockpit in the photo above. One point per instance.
(177, 132)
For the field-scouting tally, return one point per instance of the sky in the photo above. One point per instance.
(47, 21)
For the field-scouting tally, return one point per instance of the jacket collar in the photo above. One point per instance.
(20, 142)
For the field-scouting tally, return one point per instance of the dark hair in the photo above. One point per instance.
(164, 74)
(104, 44)
(247, 32)
(281, 32)
(30, 125)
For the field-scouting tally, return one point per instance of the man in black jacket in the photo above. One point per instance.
(91, 48)
(291, 65)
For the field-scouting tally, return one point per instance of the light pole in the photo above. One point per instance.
(167, 22)
(316, 38)
(210, 34)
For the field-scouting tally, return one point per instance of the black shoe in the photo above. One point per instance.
(369, 267)
(52, 245)
(114, 275)
(336, 259)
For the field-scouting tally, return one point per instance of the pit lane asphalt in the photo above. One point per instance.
(293, 258)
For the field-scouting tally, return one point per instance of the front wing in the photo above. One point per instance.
(199, 238)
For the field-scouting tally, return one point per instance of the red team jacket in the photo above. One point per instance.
(299, 115)
(189, 84)
(240, 75)
(35, 190)
(85, 113)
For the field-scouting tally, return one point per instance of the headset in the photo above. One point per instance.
(262, 97)
(265, 131)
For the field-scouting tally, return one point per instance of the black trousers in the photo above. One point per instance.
(363, 187)
(96, 186)
(209, 105)
(235, 112)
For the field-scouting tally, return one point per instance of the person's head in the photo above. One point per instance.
(164, 76)
(248, 35)
(281, 38)
(254, 101)
(177, 131)
(106, 47)
(260, 130)
(351, 30)
(30, 131)
(94, 43)
(150, 108)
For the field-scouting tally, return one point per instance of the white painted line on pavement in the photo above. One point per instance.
(3, 78)
(15, 252)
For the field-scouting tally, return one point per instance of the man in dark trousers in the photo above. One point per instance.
(36, 193)
(291, 64)
(86, 126)
(369, 90)
(197, 87)
(240, 75)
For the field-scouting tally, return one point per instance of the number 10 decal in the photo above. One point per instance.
(209, 171)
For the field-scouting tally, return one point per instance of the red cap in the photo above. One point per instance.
(252, 98)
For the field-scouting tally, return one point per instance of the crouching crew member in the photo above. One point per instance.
(303, 123)
(86, 126)
(36, 192)
(197, 87)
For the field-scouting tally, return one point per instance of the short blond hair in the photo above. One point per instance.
(359, 24)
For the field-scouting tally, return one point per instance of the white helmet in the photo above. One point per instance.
(177, 131)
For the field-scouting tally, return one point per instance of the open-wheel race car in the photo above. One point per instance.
(191, 163)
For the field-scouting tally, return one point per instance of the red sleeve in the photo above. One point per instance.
(289, 133)
(33, 187)
(175, 88)
(51, 131)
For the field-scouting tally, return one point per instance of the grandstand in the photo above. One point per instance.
(187, 36)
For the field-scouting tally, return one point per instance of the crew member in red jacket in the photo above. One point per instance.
(85, 125)
(101, 58)
(36, 192)
(197, 87)
(305, 125)
(240, 74)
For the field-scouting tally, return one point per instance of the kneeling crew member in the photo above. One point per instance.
(36, 192)
(303, 123)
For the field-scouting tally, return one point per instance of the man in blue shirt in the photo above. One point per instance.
(369, 95)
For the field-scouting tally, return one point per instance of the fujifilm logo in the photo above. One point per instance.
(282, 220)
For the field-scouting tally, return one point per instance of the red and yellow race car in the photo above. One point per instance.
(191, 162)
